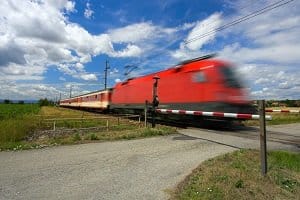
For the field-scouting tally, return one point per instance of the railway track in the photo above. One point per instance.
(253, 133)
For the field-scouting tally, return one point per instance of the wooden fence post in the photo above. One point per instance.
(54, 126)
(107, 125)
(263, 138)
(146, 111)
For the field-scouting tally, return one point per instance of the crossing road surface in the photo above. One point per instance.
(135, 169)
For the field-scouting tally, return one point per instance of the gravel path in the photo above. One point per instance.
(135, 169)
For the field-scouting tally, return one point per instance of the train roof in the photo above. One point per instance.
(97, 91)
(197, 59)
(179, 66)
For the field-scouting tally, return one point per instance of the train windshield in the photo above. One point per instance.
(230, 77)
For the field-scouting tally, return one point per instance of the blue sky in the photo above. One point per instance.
(49, 46)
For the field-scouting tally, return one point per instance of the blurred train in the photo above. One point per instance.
(200, 84)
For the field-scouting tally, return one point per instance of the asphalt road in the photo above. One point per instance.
(136, 169)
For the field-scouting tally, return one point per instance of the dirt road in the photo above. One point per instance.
(135, 169)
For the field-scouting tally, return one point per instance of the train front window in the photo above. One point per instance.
(230, 77)
(199, 77)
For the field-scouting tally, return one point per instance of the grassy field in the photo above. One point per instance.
(278, 118)
(16, 121)
(15, 129)
(237, 176)
(9, 111)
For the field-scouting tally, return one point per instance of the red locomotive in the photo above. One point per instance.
(203, 84)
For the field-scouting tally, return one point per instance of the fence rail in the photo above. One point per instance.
(97, 122)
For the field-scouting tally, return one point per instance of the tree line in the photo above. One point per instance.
(41, 102)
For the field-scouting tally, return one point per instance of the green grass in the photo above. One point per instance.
(237, 176)
(15, 130)
(12, 111)
(277, 118)
(16, 122)
(284, 118)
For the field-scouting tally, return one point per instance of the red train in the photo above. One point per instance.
(204, 84)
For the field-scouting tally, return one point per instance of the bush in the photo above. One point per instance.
(45, 102)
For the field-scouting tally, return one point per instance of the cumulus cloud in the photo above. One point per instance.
(195, 39)
(192, 46)
(270, 45)
(38, 34)
(133, 32)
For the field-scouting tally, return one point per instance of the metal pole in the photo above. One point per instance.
(155, 84)
(71, 91)
(105, 74)
(263, 138)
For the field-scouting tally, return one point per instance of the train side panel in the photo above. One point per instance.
(193, 86)
(99, 100)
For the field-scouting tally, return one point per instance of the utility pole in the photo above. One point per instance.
(105, 75)
(71, 91)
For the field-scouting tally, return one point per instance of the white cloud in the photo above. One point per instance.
(38, 34)
(271, 82)
(192, 46)
(133, 33)
(130, 51)
(267, 48)
(88, 77)
(88, 12)
(118, 80)
(199, 34)
(70, 6)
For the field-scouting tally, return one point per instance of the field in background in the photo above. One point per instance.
(237, 176)
(277, 117)
(34, 127)
(12, 111)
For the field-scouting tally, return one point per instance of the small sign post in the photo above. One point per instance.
(263, 138)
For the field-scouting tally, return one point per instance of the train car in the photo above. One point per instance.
(98, 100)
(204, 84)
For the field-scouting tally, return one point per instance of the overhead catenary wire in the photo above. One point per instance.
(225, 26)
(241, 19)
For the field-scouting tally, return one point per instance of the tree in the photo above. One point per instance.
(45, 102)
(21, 102)
(7, 101)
